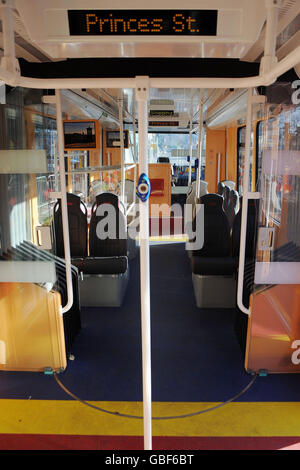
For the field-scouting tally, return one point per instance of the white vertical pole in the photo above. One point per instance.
(246, 179)
(134, 152)
(8, 61)
(109, 174)
(142, 92)
(120, 102)
(219, 167)
(269, 58)
(64, 206)
(200, 129)
(191, 146)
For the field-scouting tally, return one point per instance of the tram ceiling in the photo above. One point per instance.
(206, 28)
(231, 46)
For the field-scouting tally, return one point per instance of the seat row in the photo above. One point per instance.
(214, 266)
(101, 259)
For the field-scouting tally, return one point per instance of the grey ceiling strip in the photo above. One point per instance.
(20, 41)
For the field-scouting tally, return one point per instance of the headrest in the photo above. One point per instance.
(73, 199)
(73, 202)
(229, 183)
(233, 195)
(226, 191)
(107, 198)
(212, 202)
(220, 188)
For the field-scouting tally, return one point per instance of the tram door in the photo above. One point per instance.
(273, 339)
(31, 329)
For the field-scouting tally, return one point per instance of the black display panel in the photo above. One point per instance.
(80, 135)
(143, 22)
(113, 139)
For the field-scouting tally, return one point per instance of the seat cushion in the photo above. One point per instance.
(214, 266)
(108, 265)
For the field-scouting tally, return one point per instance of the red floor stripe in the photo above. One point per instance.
(63, 442)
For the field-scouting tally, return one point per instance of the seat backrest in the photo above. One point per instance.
(225, 194)
(220, 188)
(216, 227)
(190, 199)
(78, 226)
(229, 183)
(108, 237)
(233, 206)
(252, 219)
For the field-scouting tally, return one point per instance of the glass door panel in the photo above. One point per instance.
(275, 305)
(31, 325)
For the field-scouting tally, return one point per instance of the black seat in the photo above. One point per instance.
(101, 242)
(214, 257)
(78, 227)
(106, 265)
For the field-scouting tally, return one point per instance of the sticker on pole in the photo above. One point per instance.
(143, 187)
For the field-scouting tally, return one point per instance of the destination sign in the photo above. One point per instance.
(143, 22)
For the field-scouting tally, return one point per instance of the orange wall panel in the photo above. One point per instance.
(231, 152)
(215, 144)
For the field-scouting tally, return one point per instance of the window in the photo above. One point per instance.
(241, 147)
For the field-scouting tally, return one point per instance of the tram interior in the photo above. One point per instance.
(204, 347)
(102, 268)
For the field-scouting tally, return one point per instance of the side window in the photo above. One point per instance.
(258, 156)
(241, 147)
(240, 157)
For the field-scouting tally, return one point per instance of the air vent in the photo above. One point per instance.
(286, 8)
(177, 120)
(162, 105)
(164, 124)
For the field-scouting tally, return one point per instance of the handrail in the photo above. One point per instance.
(246, 178)
(64, 207)
(264, 79)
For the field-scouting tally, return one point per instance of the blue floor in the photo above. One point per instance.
(195, 353)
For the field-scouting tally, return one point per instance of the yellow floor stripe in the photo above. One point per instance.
(71, 417)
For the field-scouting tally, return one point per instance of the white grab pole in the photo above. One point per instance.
(142, 91)
(8, 61)
(200, 129)
(135, 155)
(219, 168)
(8, 30)
(109, 174)
(120, 102)
(265, 78)
(191, 140)
(246, 180)
(269, 58)
(64, 206)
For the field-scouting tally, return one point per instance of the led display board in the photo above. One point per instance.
(143, 22)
